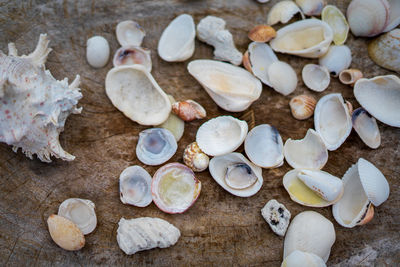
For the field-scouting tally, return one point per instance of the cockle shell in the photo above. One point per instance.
(282, 12)
(81, 212)
(277, 216)
(262, 33)
(194, 158)
(174, 124)
(189, 110)
(335, 18)
(316, 77)
(130, 33)
(337, 58)
(385, 50)
(299, 258)
(34, 105)
(97, 51)
(135, 186)
(65, 233)
(311, 7)
(130, 55)
(350, 76)
(282, 77)
(366, 128)
(302, 106)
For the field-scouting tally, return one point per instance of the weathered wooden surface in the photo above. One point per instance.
(219, 229)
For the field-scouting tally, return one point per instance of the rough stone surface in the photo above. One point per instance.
(220, 229)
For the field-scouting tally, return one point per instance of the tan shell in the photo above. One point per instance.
(350, 76)
(262, 33)
(246, 62)
(349, 107)
(302, 106)
(189, 110)
(195, 158)
(385, 50)
(65, 233)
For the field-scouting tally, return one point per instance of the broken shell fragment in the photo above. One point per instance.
(65, 233)
(316, 77)
(385, 50)
(302, 106)
(335, 18)
(349, 107)
(277, 216)
(175, 188)
(135, 186)
(282, 12)
(235, 170)
(259, 58)
(189, 110)
(350, 76)
(311, 7)
(262, 33)
(282, 77)
(194, 158)
(246, 62)
(130, 33)
(81, 212)
(337, 58)
(97, 51)
(130, 55)
(299, 258)
(366, 128)
(177, 40)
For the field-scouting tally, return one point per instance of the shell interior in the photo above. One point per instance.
(135, 186)
(81, 212)
(240, 176)
(311, 7)
(366, 127)
(130, 55)
(130, 33)
(261, 56)
(335, 18)
(316, 77)
(282, 12)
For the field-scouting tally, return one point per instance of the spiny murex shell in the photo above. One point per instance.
(81, 212)
(34, 105)
(299, 258)
(366, 128)
(135, 186)
(385, 50)
(145, 233)
(277, 216)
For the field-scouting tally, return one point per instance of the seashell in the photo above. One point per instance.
(302, 106)
(194, 158)
(130, 33)
(65, 233)
(299, 258)
(308, 38)
(385, 50)
(211, 30)
(172, 49)
(35, 105)
(310, 232)
(133, 90)
(248, 174)
(307, 153)
(81, 212)
(368, 17)
(350, 107)
(155, 146)
(337, 58)
(246, 62)
(145, 233)
(316, 77)
(97, 51)
(282, 77)
(262, 33)
(366, 128)
(232, 88)
(394, 15)
(131, 55)
(277, 216)
(264, 146)
(189, 110)
(363, 184)
(175, 188)
(380, 96)
(350, 76)
(135, 186)
(221, 135)
(174, 124)
(311, 7)
(263, 1)
(282, 12)
(332, 120)
(335, 18)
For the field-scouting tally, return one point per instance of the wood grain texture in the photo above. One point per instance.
(220, 229)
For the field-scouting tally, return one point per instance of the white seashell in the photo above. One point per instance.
(145, 233)
(81, 212)
(316, 77)
(394, 15)
(363, 184)
(301, 259)
(380, 96)
(220, 165)
(277, 216)
(332, 120)
(264, 146)
(130, 55)
(302, 106)
(282, 12)
(310, 232)
(263, 1)
(177, 40)
(97, 51)
(385, 50)
(65, 233)
(308, 38)
(311, 7)
(261, 56)
(221, 135)
(135, 186)
(34, 105)
(350, 76)
(232, 88)
(133, 90)
(366, 127)
(307, 153)
(211, 30)
(327, 186)
(282, 77)
(155, 146)
(335, 18)
(337, 58)
(130, 33)
(194, 158)
(174, 124)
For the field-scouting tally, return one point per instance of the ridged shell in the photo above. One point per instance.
(299, 258)
(366, 127)
(81, 212)
(260, 58)
(316, 77)
(262, 33)
(130, 55)
(311, 7)
(282, 12)
(194, 158)
(302, 106)
(65, 233)
(335, 18)
(385, 50)
(135, 186)
(129, 32)
(337, 58)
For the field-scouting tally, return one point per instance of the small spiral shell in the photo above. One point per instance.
(189, 110)
(194, 158)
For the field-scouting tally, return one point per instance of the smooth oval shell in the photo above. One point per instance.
(65, 233)
(129, 32)
(316, 77)
(260, 57)
(366, 127)
(299, 259)
(194, 158)
(130, 55)
(350, 76)
(262, 33)
(282, 12)
(240, 176)
(81, 212)
(385, 50)
(311, 7)
(97, 51)
(337, 58)
(335, 18)
(302, 106)
(135, 186)
(282, 77)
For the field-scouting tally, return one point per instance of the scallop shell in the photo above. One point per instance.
(194, 158)
(337, 58)
(219, 167)
(97, 51)
(232, 88)
(332, 120)
(170, 47)
(277, 216)
(380, 96)
(311, 7)
(310, 232)
(129, 33)
(189, 110)
(262, 33)
(174, 124)
(335, 18)
(175, 188)
(282, 12)
(385, 50)
(133, 90)
(366, 128)
(350, 76)
(302, 106)
(316, 77)
(130, 55)
(65, 233)
(264, 146)
(221, 135)
(81, 212)
(282, 77)
(299, 258)
(308, 38)
(135, 186)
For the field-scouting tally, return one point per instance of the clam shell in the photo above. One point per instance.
(262, 33)
(332, 120)
(380, 96)
(335, 18)
(366, 128)
(282, 77)
(302, 106)
(311, 7)
(194, 158)
(394, 15)
(327, 186)
(316, 77)
(130, 55)
(299, 258)
(129, 33)
(260, 58)
(177, 40)
(350, 76)
(81, 212)
(189, 110)
(282, 12)
(307, 153)
(264, 146)
(97, 51)
(218, 168)
(135, 186)
(65, 233)
(308, 38)
(337, 58)
(385, 50)
(232, 88)
(221, 135)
